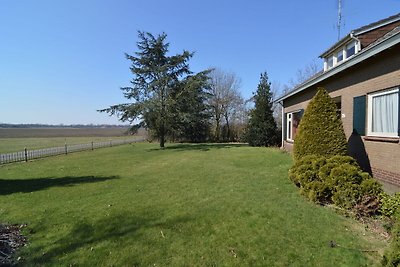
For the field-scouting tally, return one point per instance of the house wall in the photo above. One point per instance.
(380, 157)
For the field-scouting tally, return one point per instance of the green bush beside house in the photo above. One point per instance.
(320, 130)
(326, 175)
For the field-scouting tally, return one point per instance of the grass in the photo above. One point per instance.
(186, 205)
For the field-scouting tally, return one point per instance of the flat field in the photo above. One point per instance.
(186, 205)
(13, 139)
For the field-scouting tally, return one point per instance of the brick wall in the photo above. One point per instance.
(389, 177)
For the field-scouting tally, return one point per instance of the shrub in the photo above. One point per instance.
(317, 191)
(337, 180)
(320, 131)
(390, 205)
(305, 170)
(369, 186)
(392, 254)
(346, 196)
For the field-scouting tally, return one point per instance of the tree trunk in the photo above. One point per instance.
(217, 130)
(162, 134)
(227, 128)
(162, 140)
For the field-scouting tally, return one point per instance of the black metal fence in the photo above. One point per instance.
(54, 151)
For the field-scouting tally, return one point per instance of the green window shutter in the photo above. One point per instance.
(359, 110)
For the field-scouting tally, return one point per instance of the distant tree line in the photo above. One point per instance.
(173, 103)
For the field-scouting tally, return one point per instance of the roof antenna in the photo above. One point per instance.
(339, 23)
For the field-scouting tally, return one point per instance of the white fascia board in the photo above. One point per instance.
(357, 58)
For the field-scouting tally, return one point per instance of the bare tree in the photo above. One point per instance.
(224, 100)
(277, 89)
(304, 73)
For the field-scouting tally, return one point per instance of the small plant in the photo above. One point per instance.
(390, 205)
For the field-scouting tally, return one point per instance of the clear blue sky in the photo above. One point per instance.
(62, 60)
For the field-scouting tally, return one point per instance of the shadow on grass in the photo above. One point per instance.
(118, 230)
(30, 185)
(201, 147)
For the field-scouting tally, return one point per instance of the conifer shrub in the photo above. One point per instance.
(338, 180)
(305, 170)
(320, 130)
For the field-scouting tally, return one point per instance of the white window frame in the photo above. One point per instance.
(369, 122)
(331, 57)
(337, 56)
(289, 120)
(353, 43)
(343, 50)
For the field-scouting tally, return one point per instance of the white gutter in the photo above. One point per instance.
(357, 58)
(282, 126)
(358, 43)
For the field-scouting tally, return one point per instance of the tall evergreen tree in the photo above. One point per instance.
(190, 115)
(155, 75)
(262, 129)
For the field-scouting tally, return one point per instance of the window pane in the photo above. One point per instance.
(296, 121)
(330, 62)
(292, 124)
(339, 56)
(351, 49)
(385, 113)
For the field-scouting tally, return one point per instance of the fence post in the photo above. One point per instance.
(26, 154)
(66, 148)
(110, 143)
(92, 145)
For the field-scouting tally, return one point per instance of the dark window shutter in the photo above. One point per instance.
(359, 110)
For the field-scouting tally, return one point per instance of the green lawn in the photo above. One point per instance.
(187, 205)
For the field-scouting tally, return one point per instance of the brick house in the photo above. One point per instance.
(362, 74)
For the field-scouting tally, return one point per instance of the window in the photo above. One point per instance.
(383, 113)
(292, 124)
(339, 56)
(350, 49)
(330, 62)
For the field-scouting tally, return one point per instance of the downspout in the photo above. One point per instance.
(282, 124)
(358, 43)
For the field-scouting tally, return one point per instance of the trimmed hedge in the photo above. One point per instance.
(320, 130)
